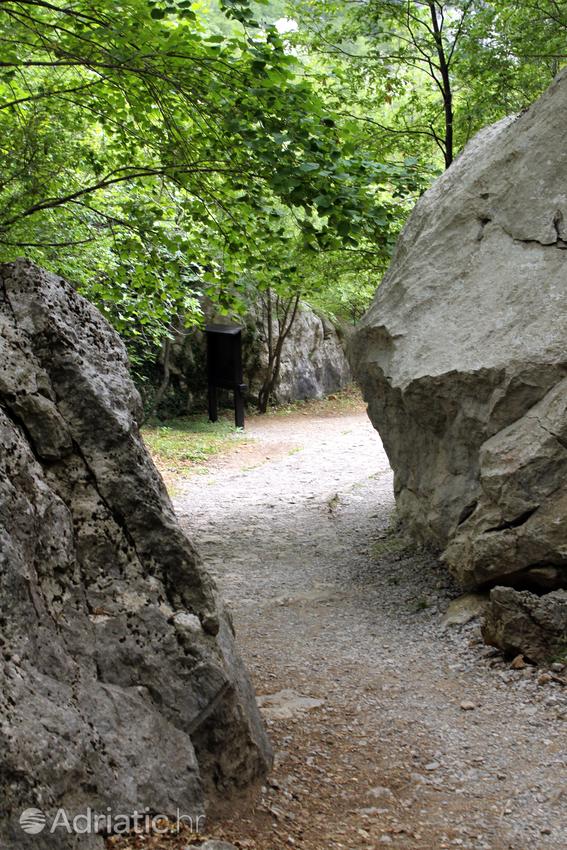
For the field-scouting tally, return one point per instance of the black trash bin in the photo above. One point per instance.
(224, 368)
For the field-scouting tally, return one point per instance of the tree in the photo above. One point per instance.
(279, 315)
(139, 133)
(426, 74)
(155, 151)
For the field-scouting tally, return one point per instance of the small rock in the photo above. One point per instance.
(544, 679)
(523, 622)
(464, 609)
(285, 704)
(188, 621)
(433, 765)
(380, 791)
(467, 705)
(518, 663)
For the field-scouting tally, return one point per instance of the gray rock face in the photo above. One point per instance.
(314, 361)
(463, 356)
(520, 622)
(119, 681)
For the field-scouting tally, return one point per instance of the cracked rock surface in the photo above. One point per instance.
(463, 356)
(119, 681)
(521, 622)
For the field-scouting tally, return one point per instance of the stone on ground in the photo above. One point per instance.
(120, 685)
(463, 356)
(521, 622)
(464, 609)
(286, 704)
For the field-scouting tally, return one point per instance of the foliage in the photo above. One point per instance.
(155, 151)
(159, 151)
(412, 81)
(424, 75)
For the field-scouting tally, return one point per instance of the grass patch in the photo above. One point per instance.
(181, 447)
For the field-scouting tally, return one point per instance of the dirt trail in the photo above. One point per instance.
(329, 606)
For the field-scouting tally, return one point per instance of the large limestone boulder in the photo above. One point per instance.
(120, 685)
(463, 355)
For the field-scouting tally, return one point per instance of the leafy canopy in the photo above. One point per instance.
(424, 75)
(150, 149)
(156, 150)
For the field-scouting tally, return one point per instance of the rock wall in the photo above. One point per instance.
(463, 356)
(314, 361)
(119, 681)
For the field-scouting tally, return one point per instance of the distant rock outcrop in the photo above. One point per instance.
(314, 361)
(119, 681)
(463, 356)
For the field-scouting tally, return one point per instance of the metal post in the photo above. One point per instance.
(213, 406)
(239, 405)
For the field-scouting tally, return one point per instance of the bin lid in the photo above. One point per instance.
(223, 329)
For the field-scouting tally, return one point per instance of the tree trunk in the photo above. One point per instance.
(275, 349)
(163, 387)
(444, 84)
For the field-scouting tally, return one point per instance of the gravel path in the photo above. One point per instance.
(389, 730)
